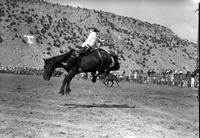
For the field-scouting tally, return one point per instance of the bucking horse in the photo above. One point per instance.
(96, 60)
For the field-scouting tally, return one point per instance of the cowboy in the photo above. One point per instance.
(85, 47)
(90, 41)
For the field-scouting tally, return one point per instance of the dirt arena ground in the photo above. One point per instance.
(32, 108)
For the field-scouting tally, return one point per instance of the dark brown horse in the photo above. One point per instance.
(96, 60)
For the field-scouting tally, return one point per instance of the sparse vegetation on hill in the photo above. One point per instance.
(56, 29)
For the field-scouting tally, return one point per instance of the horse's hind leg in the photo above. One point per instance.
(93, 76)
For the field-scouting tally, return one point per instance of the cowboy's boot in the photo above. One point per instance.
(84, 51)
(71, 61)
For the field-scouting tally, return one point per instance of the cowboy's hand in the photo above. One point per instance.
(79, 47)
(102, 40)
(88, 47)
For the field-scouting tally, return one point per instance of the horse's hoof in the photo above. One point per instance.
(67, 91)
(61, 93)
(93, 80)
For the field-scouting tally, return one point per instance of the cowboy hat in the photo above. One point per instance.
(94, 29)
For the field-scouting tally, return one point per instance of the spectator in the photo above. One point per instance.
(192, 82)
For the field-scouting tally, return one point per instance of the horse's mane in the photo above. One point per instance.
(60, 58)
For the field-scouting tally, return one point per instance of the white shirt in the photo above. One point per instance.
(192, 80)
(135, 75)
(91, 39)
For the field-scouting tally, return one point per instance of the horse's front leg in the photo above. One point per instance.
(63, 85)
(65, 89)
(70, 76)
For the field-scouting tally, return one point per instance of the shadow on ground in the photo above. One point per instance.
(98, 106)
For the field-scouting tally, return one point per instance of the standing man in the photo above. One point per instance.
(192, 82)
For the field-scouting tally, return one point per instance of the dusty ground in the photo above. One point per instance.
(31, 107)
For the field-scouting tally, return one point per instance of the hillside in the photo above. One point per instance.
(56, 29)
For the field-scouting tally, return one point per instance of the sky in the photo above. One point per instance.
(178, 15)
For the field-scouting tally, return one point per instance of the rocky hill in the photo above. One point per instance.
(57, 28)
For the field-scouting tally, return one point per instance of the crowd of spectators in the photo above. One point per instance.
(20, 70)
(26, 70)
(165, 77)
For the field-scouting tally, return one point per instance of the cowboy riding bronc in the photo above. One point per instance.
(86, 46)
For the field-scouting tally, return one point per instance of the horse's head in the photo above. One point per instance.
(52, 63)
(48, 69)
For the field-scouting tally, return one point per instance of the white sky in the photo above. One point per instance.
(178, 15)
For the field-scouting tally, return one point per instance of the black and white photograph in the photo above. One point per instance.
(99, 68)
